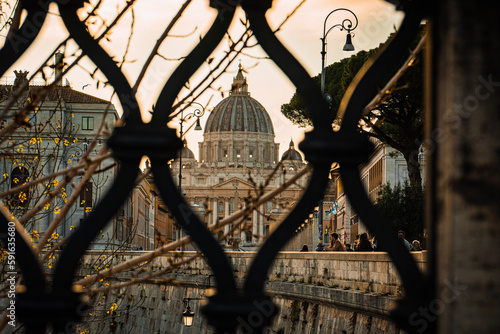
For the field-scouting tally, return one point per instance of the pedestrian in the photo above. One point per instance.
(348, 248)
(364, 245)
(335, 244)
(416, 245)
(406, 243)
(376, 245)
(304, 248)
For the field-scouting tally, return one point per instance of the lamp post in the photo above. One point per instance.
(345, 25)
(197, 127)
(198, 113)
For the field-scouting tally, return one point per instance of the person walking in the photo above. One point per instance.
(364, 245)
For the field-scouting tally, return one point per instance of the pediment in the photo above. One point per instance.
(231, 184)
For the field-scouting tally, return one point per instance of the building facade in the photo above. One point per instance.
(385, 166)
(53, 137)
(237, 159)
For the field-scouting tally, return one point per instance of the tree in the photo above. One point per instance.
(404, 207)
(43, 164)
(395, 118)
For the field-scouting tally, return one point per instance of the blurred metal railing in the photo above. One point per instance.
(55, 304)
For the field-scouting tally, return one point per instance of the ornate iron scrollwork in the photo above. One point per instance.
(57, 305)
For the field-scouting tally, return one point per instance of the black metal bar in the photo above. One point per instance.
(257, 274)
(184, 215)
(193, 61)
(89, 229)
(78, 31)
(370, 77)
(20, 41)
(41, 306)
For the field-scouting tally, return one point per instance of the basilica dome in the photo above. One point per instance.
(291, 153)
(186, 152)
(239, 111)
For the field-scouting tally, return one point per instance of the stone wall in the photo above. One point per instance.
(328, 292)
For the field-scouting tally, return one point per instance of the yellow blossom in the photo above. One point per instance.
(15, 180)
(46, 206)
(75, 140)
(55, 182)
(88, 209)
(69, 161)
(56, 140)
(5, 175)
(38, 139)
(22, 196)
(33, 141)
(113, 307)
(55, 236)
(66, 142)
(71, 228)
(57, 210)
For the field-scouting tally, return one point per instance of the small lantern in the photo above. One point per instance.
(188, 316)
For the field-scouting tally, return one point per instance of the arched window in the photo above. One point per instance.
(18, 177)
(86, 195)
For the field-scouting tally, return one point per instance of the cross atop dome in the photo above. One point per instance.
(239, 86)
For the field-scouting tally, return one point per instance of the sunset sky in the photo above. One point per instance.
(301, 34)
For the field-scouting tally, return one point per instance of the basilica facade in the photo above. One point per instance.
(237, 157)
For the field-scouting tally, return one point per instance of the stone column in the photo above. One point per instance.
(227, 203)
(464, 189)
(255, 227)
(262, 222)
(215, 211)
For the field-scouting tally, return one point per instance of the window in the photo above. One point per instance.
(87, 123)
(19, 176)
(86, 195)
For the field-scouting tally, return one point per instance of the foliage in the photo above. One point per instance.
(403, 206)
(338, 77)
(396, 121)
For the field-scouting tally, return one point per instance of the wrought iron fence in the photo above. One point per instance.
(55, 303)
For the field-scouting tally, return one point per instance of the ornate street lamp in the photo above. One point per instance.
(188, 316)
(198, 113)
(345, 25)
